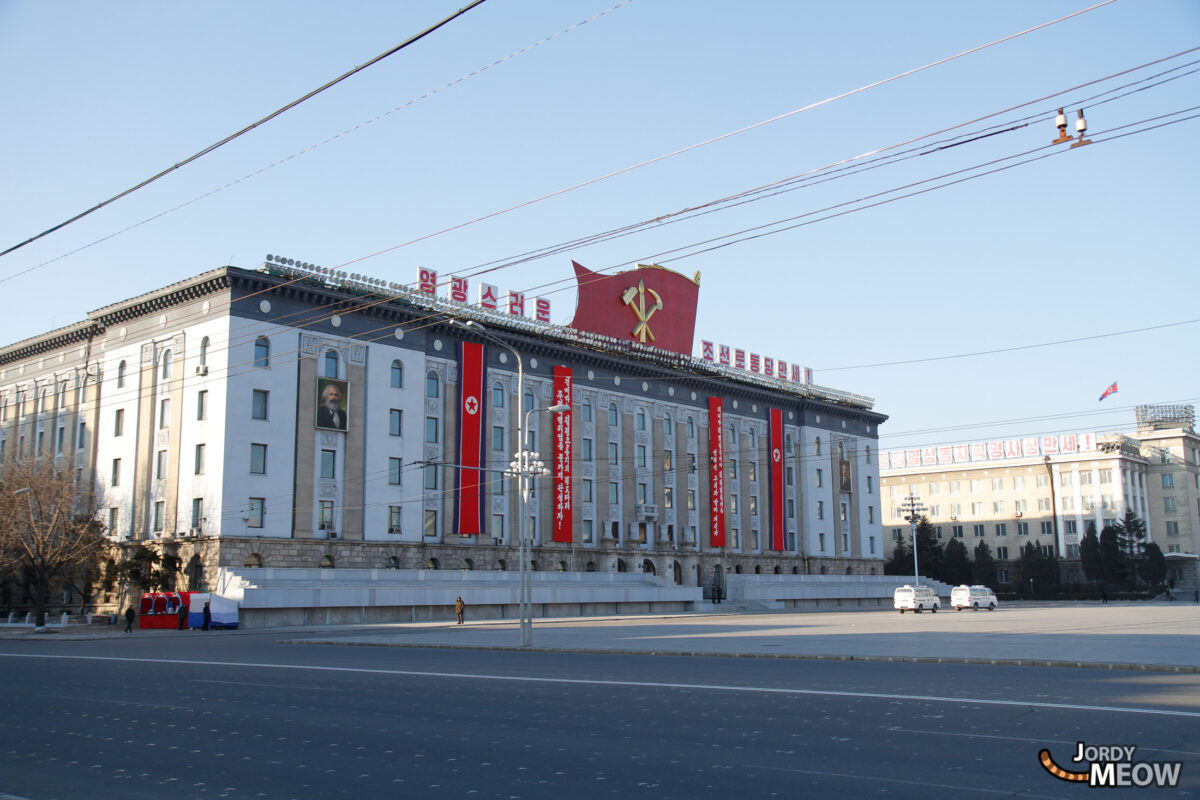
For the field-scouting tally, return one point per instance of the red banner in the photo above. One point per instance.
(562, 456)
(716, 471)
(775, 477)
(468, 483)
(650, 305)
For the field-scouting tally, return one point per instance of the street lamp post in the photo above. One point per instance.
(912, 507)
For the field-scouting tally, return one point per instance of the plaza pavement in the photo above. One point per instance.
(1152, 636)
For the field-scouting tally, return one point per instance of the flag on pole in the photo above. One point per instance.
(1110, 390)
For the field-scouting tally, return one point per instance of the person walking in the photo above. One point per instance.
(183, 612)
(130, 615)
(207, 617)
(459, 607)
(1103, 597)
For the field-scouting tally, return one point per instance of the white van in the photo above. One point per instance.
(916, 598)
(975, 597)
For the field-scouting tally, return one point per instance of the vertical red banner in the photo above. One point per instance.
(562, 456)
(776, 470)
(716, 471)
(468, 482)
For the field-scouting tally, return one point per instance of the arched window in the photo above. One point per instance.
(868, 454)
(818, 445)
(254, 560)
(691, 428)
(326, 562)
(468, 563)
(397, 375)
(641, 419)
(841, 451)
(591, 566)
(497, 395)
(612, 413)
(562, 566)
(587, 410)
(166, 364)
(527, 402)
(121, 375)
(331, 364)
(753, 438)
(431, 384)
(262, 352)
(204, 351)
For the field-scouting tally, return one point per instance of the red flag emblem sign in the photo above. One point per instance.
(650, 304)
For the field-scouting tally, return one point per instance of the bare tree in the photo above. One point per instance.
(48, 525)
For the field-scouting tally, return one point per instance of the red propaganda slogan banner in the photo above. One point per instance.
(716, 472)
(775, 477)
(468, 483)
(562, 456)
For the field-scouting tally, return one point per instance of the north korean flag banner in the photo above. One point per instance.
(1110, 390)
(716, 470)
(468, 482)
(562, 456)
(775, 476)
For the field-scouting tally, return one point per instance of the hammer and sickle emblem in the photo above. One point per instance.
(642, 329)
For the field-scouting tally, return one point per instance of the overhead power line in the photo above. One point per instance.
(252, 126)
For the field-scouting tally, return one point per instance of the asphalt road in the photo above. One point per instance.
(244, 716)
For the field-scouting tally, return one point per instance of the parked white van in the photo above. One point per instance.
(916, 599)
(975, 597)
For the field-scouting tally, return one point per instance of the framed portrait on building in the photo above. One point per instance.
(332, 402)
(844, 472)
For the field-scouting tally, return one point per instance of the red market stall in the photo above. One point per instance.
(161, 609)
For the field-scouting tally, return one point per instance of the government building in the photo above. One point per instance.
(296, 417)
(1048, 488)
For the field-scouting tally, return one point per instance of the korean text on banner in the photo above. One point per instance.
(562, 456)
(716, 471)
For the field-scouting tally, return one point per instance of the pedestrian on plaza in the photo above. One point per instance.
(130, 615)
(716, 593)
(1103, 597)
(459, 607)
(207, 617)
(183, 612)
(1196, 596)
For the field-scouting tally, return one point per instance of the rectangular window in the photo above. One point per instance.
(820, 509)
(119, 422)
(935, 511)
(498, 527)
(585, 449)
(1043, 504)
(1002, 576)
(325, 516)
(614, 493)
(870, 486)
(955, 510)
(844, 517)
(791, 507)
(935, 488)
(1019, 482)
(1085, 479)
(872, 545)
(976, 509)
(1020, 506)
(957, 530)
(820, 478)
(159, 512)
(395, 422)
(1002, 553)
(329, 464)
(641, 455)
(1069, 526)
(202, 404)
(1172, 529)
(431, 477)
(1168, 504)
(1043, 481)
(1168, 480)
(1047, 528)
(978, 531)
(116, 472)
(997, 484)
(200, 459)
(791, 477)
(587, 530)
(164, 413)
(394, 519)
(1022, 529)
(612, 454)
(691, 499)
(430, 526)
(1106, 476)
(641, 493)
(733, 469)
(1002, 529)
(585, 491)
(1068, 504)
(668, 497)
(1066, 479)
(197, 512)
(79, 440)
(160, 465)
(753, 504)
(752, 470)
(258, 459)
(431, 430)
(870, 513)
(955, 487)
(692, 462)
(821, 542)
(976, 486)
(668, 460)
(112, 520)
(258, 404)
(254, 518)
(733, 504)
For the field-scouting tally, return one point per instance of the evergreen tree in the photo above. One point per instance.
(901, 561)
(929, 552)
(1131, 532)
(1089, 554)
(1032, 568)
(983, 570)
(956, 566)
(1112, 558)
(1153, 566)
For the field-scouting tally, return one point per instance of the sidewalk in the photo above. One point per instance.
(1152, 636)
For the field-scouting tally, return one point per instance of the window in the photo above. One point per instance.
(1043, 481)
(1002, 553)
(935, 488)
(1020, 505)
(957, 530)
(978, 531)
(666, 425)
(1066, 479)
(498, 483)
(498, 438)
(821, 539)
(820, 509)
(1085, 479)
(870, 513)
(1070, 527)
(329, 464)
(431, 430)
(1106, 476)
(668, 460)
(1047, 529)
(820, 478)
(1019, 482)
(200, 459)
(733, 469)
(587, 410)
(818, 452)
(159, 512)
(119, 422)
(668, 497)
(397, 378)
(1068, 503)
(258, 459)
(614, 493)
(325, 516)
(754, 504)
(431, 384)
(612, 413)
(197, 512)
(1168, 480)
(258, 404)
(527, 401)
(1168, 504)
(642, 494)
(116, 472)
(997, 484)
(691, 499)
(121, 375)
(1022, 529)
(612, 454)
(330, 364)
(202, 404)
(641, 455)
(691, 428)
(497, 396)
(164, 413)
(1172, 529)
(976, 509)
(262, 352)
(498, 530)
(166, 365)
(844, 516)
(691, 462)
(935, 511)
(868, 460)
(585, 491)
(587, 530)
(431, 477)
(394, 519)
(752, 470)
(1002, 529)
(113, 514)
(585, 450)
(791, 476)
(732, 435)
(640, 419)
(955, 509)
(791, 507)
(1043, 504)
(733, 504)
(395, 419)
(870, 490)
(976, 486)
(204, 351)
(955, 487)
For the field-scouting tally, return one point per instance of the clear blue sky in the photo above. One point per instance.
(98, 96)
